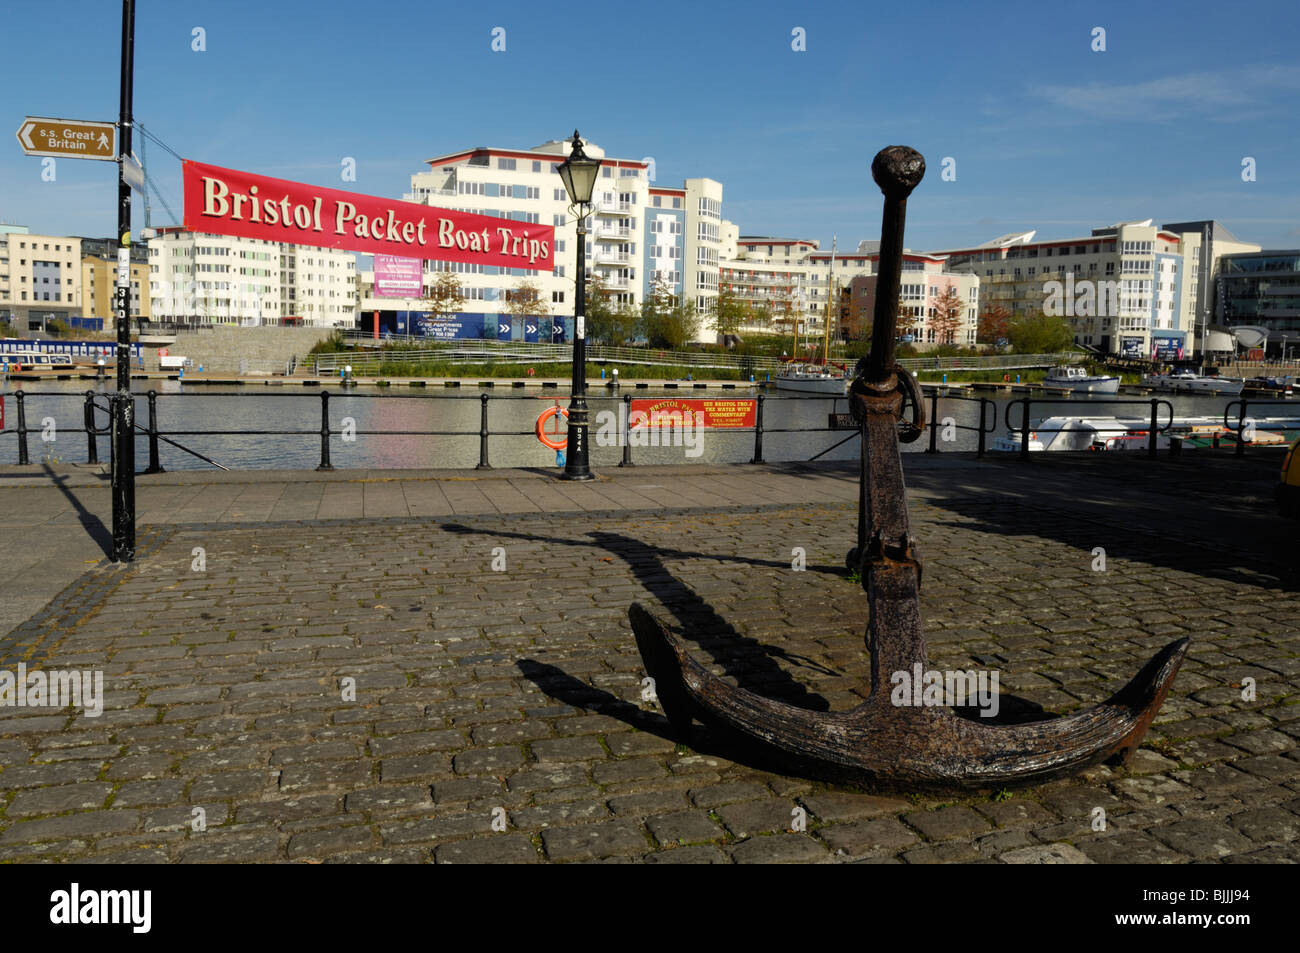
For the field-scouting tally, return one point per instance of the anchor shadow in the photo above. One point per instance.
(741, 657)
(752, 665)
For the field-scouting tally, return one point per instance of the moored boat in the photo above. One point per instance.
(1189, 382)
(812, 379)
(1077, 380)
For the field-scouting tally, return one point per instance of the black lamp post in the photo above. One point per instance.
(579, 174)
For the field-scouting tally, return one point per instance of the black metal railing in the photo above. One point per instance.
(326, 431)
(1246, 426)
(1160, 417)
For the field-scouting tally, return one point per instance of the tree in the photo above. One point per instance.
(994, 324)
(667, 321)
(445, 298)
(907, 318)
(1039, 334)
(948, 308)
(600, 312)
(526, 300)
(728, 311)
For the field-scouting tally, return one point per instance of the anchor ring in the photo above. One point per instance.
(912, 416)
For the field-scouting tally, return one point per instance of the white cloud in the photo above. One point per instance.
(1215, 94)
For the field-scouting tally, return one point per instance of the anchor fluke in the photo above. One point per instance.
(879, 742)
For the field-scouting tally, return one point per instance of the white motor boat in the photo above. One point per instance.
(812, 379)
(1134, 433)
(1078, 380)
(1076, 433)
(1189, 382)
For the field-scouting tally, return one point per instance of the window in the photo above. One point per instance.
(561, 195)
(506, 165)
(537, 165)
(677, 203)
(656, 201)
(557, 297)
(606, 173)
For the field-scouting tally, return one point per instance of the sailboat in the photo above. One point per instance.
(814, 377)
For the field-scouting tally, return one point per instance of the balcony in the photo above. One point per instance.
(612, 258)
(612, 233)
(614, 208)
(618, 284)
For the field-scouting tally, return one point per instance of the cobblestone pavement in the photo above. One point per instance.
(375, 690)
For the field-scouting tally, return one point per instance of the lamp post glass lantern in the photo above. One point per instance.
(578, 172)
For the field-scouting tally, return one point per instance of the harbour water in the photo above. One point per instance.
(789, 424)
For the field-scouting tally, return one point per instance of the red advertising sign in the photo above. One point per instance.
(718, 414)
(227, 202)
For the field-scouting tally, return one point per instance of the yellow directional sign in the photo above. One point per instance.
(68, 138)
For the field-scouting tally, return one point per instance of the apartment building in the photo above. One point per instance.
(779, 278)
(200, 279)
(1122, 288)
(925, 283)
(636, 232)
(1132, 288)
(40, 278)
(99, 282)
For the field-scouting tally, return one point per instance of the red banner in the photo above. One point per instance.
(227, 202)
(706, 411)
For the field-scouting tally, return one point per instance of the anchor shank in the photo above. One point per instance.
(891, 572)
(897, 170)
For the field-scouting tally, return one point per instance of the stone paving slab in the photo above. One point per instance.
(369, 688)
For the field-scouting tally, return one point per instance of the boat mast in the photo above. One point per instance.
(830, 283)
(798, 309)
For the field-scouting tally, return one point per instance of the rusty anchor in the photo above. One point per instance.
(927, 746)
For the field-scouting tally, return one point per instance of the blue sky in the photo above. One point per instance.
(1045, 132)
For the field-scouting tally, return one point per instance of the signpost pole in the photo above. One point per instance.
(123, 476)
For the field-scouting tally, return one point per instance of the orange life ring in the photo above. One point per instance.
(530, 372)
(546, 415)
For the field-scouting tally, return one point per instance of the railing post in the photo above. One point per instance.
(1241, 430)
(1155, 422)
(1024, 429)
(934, 422)
(483, 434)
(325, 432)
(758, 431)
(627, 431)
(979, 452)
(154, 465)
(22, 429)
(88, 415)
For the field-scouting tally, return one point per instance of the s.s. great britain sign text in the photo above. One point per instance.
(227, 202)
